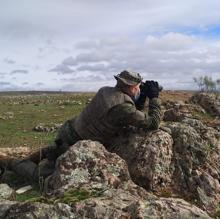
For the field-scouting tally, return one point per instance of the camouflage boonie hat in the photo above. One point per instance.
(129, 77)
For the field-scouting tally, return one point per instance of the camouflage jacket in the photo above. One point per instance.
(108, 112)
(127, 114)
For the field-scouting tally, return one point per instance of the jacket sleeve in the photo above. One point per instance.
(140, 103)
(127, 114)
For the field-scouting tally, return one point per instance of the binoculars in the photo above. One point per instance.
(145, 85)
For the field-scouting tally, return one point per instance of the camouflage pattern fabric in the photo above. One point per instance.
(92, 123)
(67, 135)
(127, 114)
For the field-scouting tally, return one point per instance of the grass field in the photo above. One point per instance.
(21, 112)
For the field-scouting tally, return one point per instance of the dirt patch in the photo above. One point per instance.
(176, 95)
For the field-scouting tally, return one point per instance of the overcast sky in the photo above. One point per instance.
(78, 45)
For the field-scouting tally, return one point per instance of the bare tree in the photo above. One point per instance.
(218, 84)
(206, 83)
(200, 82)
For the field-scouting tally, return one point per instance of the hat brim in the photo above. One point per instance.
(126, 81)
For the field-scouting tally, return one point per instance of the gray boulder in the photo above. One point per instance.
(88, 166)
(6, 192)
(5, 205)
(148, 156)
(177, 111)
(35, 210)
(209, 101)
(166, 208)
(109, 208)
(196, 152)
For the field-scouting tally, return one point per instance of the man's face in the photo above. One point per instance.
(135, 90)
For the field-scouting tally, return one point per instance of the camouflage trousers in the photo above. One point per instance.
(38, 169)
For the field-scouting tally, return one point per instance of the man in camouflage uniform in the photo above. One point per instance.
(111, 109)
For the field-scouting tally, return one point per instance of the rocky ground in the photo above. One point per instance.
(173, 172)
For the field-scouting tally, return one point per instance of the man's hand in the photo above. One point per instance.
(150, 88)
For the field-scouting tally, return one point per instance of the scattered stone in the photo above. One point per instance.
(7, 115)
(89, 100)
(6, 192)
(23, 189)
(69, 102)
(17, 152)
(45, 128)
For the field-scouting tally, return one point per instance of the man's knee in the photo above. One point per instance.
(32, 171)
(25, 168)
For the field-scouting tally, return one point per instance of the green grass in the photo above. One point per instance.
(30, 110)
(70, 196)
(29, 195)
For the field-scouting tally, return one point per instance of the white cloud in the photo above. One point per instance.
(69, 61)
(9, 61)
(39, 84)
(19, 71)
(62, 69)
(93, 68)
(3, 83)
(171, 42)
(97, 39)
(93, 18)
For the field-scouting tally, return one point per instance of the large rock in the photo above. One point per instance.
(148, 156)
(185, 162)
(176, 112)
(29, 210)
(209, 101)
(196, 153)
(166, 208)
(5, 205)
(88, 166)
(109, 208)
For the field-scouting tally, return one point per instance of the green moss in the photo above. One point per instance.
(208, 147)
(70, 196)
(29, 195)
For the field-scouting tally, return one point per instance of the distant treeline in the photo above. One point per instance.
(15, 93)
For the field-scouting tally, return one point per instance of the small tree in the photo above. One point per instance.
(206, 83)
(200, 82)
(218, 84)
